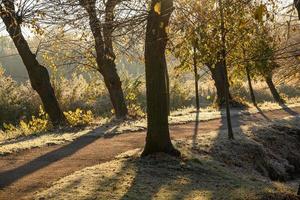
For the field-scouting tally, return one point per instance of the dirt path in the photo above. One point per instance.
(28, 171)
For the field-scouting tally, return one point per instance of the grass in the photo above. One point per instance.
(107, 126)
(159, 177)
(210, 168)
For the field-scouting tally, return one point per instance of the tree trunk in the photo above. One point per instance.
(196, 79)
(168, 91)
(219, 82)
(105, 54)
(158, 136)
(38, 74)
(114, 86)
(273, 90)
(250, 86)
(297, 5)
(224, 72)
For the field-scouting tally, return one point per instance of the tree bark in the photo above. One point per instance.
(219, 82)
(250, 86)
(168, 91)
(297, 5)
(105, 53)
(196, 79)
(38, 74)
(224, 72)
(273, 90)
(158, 136)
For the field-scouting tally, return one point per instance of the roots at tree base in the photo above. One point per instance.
(153, 149)
(220, 103)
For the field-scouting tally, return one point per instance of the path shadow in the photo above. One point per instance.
(10, 176)
(262, 113)
(288, 110)
(148, 171)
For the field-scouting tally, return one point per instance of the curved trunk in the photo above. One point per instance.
(158, 136)
(105, 54)
(273, 90)
(38, 74)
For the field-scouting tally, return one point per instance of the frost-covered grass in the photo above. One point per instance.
(209, 169)
(112, 126)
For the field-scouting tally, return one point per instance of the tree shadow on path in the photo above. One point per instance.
(262, 113)
(10, 176)
(288, 110)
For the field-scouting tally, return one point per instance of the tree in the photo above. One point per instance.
(217, 74)
(248, 73)
(38, 74)
(199, 22)
(158, 136)
(264, 62)
(105, 54)
(224, 71)
(297, 5)
(196, 76)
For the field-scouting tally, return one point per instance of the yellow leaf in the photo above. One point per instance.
(260, 12)
(157, 8)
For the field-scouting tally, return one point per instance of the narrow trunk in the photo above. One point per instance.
(250, 86)
(225, 74)
(38, 74)
(273, 90)
(196, 79)
(105, 54)
(158, 136)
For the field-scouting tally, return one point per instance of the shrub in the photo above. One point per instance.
(135, 96)
(17, 101)
(79, 117)
(34, 126)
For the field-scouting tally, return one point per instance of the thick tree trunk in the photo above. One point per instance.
(273, 90)
(105, 54)
(38, 74)
(250, 86)
(158, 136)
(168, 92)
(219, 81)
